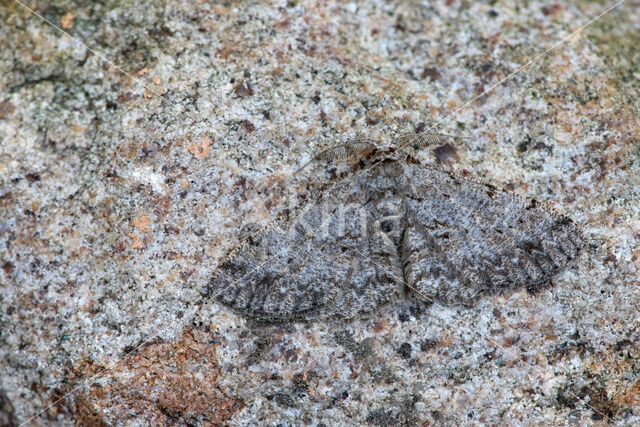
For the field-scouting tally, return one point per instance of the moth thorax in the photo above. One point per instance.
(390, 210)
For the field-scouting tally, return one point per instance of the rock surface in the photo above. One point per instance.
(118, 201)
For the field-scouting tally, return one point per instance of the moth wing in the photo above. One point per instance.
(326, 258)
(464, 238)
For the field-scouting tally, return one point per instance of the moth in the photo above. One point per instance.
(394, 226)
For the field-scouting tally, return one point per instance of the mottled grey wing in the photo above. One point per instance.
(327, 258)
(465, 238)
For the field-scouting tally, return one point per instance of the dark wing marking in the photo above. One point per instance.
(464, 238)
(327, 258)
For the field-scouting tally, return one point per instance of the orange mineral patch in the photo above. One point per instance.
(137, 241)
(66, 22)
(630, 398)
(143, 224)
(172, 383)
(202, 150)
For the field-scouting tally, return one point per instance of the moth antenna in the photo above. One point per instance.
(339, 152)
(424, 139)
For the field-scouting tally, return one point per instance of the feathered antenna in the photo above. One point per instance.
(424, 139)
(340, 152)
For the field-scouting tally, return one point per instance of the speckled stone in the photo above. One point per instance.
(118, 201)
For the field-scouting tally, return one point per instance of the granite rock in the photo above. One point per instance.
(121, 190)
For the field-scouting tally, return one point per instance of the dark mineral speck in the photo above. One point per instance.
(405, 350)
